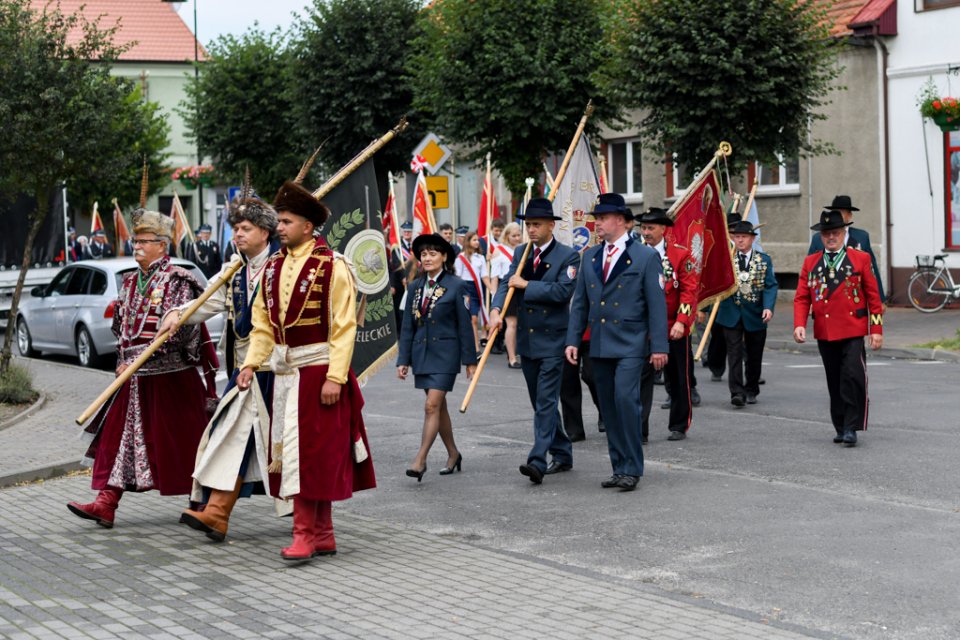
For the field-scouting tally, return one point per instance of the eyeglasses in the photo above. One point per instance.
(145, 241)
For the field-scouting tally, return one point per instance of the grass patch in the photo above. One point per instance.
(948, 344)
(16, 386)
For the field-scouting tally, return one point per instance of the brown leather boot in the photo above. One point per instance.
(324, 544)
(102, 509)
(215, 516)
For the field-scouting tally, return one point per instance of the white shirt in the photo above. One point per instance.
(499, 262)
(746, 255)
(478, 263)
(662, 249)
(621, 245)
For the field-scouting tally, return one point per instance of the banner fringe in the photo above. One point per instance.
(377, 364)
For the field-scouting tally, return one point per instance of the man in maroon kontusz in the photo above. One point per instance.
(146, 435)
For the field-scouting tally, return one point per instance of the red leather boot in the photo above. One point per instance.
(102, 509)
(304, 524)
(324, 543)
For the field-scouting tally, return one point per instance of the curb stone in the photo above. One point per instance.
(37, 404)
(939, 355)
(46, 472)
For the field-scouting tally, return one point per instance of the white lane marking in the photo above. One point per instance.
(925, 361)
(804, 366)
(878, 364)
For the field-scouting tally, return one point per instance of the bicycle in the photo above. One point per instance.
(931, 287)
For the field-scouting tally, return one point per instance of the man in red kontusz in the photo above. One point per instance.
(838, 288)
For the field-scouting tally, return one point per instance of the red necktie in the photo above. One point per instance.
(536, 258)
(611, 251)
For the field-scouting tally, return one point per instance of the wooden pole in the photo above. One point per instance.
(224, 277)
(723, 149)
(523, 258)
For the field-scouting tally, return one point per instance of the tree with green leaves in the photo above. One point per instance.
(62, 113)
(512, 77)
(240, 109)
(351, 67)
(752, 72)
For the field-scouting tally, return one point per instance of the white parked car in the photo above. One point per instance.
(73, 315)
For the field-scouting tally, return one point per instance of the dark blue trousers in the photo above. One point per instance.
(618, 385)
(543, 376)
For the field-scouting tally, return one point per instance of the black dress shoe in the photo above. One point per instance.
(578, 438)
(667, 403)
(556, 467)
(751, 398)
(643, 439)
(838, 439)
(761, 381)
(676, 435)
(849, 438)
(716, 377)
(515, 365)
(413, 473)
(737, 400)
(628, 483)
(611, 482)
(694, 397)
(497, 349)
(454, 467)
(601, 427)
(535, 475)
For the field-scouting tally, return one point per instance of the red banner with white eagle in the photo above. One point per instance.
(699, 223)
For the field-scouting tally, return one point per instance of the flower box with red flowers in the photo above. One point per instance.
(191, 176)
(943, 110)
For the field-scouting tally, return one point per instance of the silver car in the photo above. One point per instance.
(73, 314)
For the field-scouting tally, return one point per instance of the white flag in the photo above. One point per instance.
(576, 195)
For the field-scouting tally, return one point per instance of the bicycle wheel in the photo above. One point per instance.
(928, 291)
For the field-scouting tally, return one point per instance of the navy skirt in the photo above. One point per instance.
(439, 381)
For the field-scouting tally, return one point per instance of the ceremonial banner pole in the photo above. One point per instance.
(716, 306)
(723, 150)
(224, 277)
(526, 251)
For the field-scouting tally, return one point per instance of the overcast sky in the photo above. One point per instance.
(216, 17)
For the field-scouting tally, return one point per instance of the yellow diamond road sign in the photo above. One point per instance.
(433, 152)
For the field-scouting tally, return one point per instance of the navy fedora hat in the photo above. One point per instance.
(539, 209)
(655, 215)
(611, 203)
(842, 202)
(830, 219)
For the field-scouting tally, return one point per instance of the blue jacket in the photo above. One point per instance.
(442, 339)
(858, 239)
(543, 311)
(627, 315)
(749, 306)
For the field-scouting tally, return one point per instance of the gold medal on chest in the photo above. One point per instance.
(156, 296)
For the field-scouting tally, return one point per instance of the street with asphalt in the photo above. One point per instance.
(756, 526)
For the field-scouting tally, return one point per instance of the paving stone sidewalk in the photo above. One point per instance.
(61, 577)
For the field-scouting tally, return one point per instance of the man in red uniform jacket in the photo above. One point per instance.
(681, 283)
(838, 287)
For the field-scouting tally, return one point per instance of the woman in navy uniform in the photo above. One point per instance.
(435, 339)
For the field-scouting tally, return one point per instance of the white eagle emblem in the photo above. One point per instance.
(662, 282)
(696, 251)
(571, 272)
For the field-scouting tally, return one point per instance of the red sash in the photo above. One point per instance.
(505, 252)
(476, 285)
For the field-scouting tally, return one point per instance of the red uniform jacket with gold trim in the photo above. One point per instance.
(845, 306)
(681, 285)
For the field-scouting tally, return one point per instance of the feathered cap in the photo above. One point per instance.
(150, 221)
(247, 206)
(294, 198)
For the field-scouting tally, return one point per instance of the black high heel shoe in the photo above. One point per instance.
(413, 473)
(455, 467)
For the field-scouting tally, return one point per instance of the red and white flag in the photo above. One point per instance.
(390, 222)
(96, 224)
(700, 224)
(423, 220)
(120, 225)
(488, 206)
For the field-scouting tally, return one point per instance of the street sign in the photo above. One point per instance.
(433, 152)
(439, 188)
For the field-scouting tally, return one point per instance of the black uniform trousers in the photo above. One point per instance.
(717, 351)
(571, 393)
(677, 380)
(845, 362)
(690, 368)
(738, 341)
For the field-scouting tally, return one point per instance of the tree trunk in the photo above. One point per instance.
(39, 215)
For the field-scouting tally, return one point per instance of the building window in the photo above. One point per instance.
(626, 171)
(678, 177)
(927, 5)
(952, 189)
(778, 178)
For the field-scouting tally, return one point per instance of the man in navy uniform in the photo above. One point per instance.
(856, 238)
(406, 240)
(619, 295)
(98, 246)
(743, 316)
(208, 252)
(543, 288)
